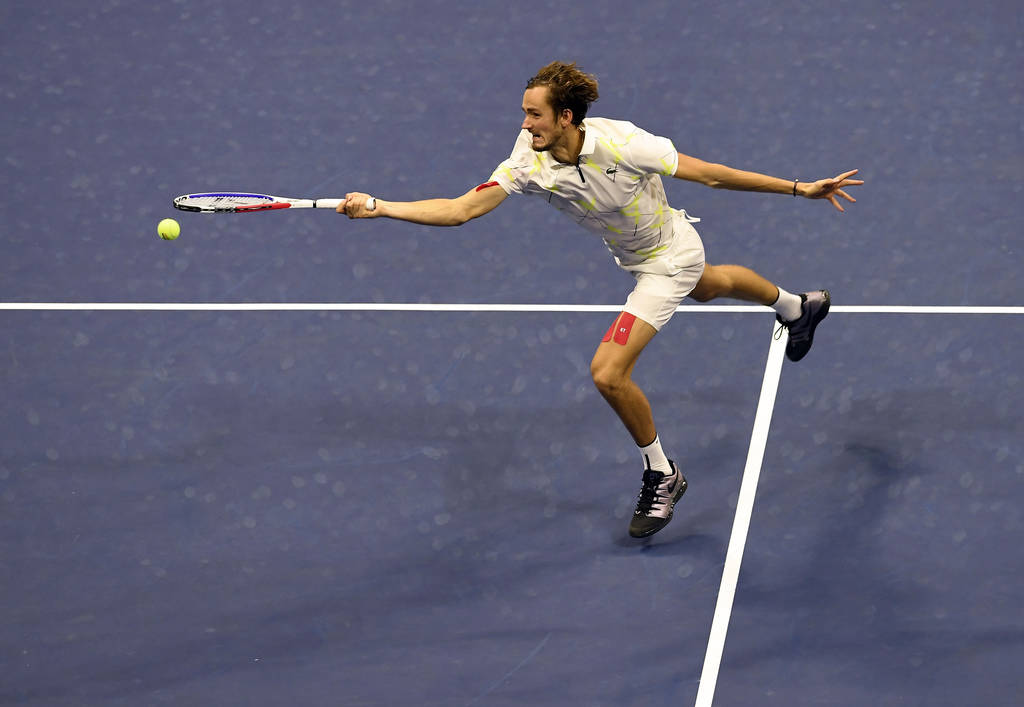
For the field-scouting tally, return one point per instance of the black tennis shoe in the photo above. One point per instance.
(801, 331)
(657, 498)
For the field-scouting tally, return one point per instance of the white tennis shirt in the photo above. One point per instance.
(615, 191)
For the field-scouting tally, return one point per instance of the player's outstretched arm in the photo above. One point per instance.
(719, 176)
(430, 212)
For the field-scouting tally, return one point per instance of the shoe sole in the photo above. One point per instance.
(815, 321)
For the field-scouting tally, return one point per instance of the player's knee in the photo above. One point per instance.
(703, 294)
(713, 284)
(607, 379)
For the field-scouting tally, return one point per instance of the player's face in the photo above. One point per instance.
(540, 119)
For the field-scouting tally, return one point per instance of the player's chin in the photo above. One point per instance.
(539, 145)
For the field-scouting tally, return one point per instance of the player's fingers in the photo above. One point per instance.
(341, 207)
(835, 203)
(846, 196)
(844, 175)
(356, 204)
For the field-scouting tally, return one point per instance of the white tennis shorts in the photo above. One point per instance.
(656, 296)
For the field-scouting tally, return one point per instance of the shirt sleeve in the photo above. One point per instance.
(513, 174)
(651, 154)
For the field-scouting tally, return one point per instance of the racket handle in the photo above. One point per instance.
(327, 203)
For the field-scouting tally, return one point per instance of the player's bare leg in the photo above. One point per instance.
(734, 282)
(612, 369)
(801, 314)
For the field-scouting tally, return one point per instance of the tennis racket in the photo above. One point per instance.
(229, 202)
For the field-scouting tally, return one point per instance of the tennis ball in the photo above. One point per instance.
(168, 229)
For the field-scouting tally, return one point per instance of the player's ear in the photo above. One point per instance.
(566, 117)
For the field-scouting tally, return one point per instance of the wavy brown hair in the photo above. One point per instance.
(568, 88)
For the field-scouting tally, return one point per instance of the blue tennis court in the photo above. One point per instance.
(295, 458)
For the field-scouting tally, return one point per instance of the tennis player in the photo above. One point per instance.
(606, 175)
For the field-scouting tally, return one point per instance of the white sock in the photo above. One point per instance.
(788, 306)
(654, 458)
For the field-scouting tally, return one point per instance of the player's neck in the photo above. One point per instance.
(567, 151)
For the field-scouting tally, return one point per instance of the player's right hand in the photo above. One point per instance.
(356, 205)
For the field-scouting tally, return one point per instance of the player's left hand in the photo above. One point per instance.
(831, 188)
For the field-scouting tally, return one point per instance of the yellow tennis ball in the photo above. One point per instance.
(168, 229)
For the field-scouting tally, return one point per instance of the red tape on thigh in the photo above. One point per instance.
(620, 329)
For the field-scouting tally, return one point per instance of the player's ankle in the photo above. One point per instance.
(787, 305)
(654, 457)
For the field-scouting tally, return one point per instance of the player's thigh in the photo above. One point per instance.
(618, 351)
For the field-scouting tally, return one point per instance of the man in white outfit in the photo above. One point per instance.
(606, 176)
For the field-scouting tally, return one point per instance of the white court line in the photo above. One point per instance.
(440, 307)
(896, 309)
(741, 523)
(346, 307)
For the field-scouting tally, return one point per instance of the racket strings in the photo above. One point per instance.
(226, 201)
